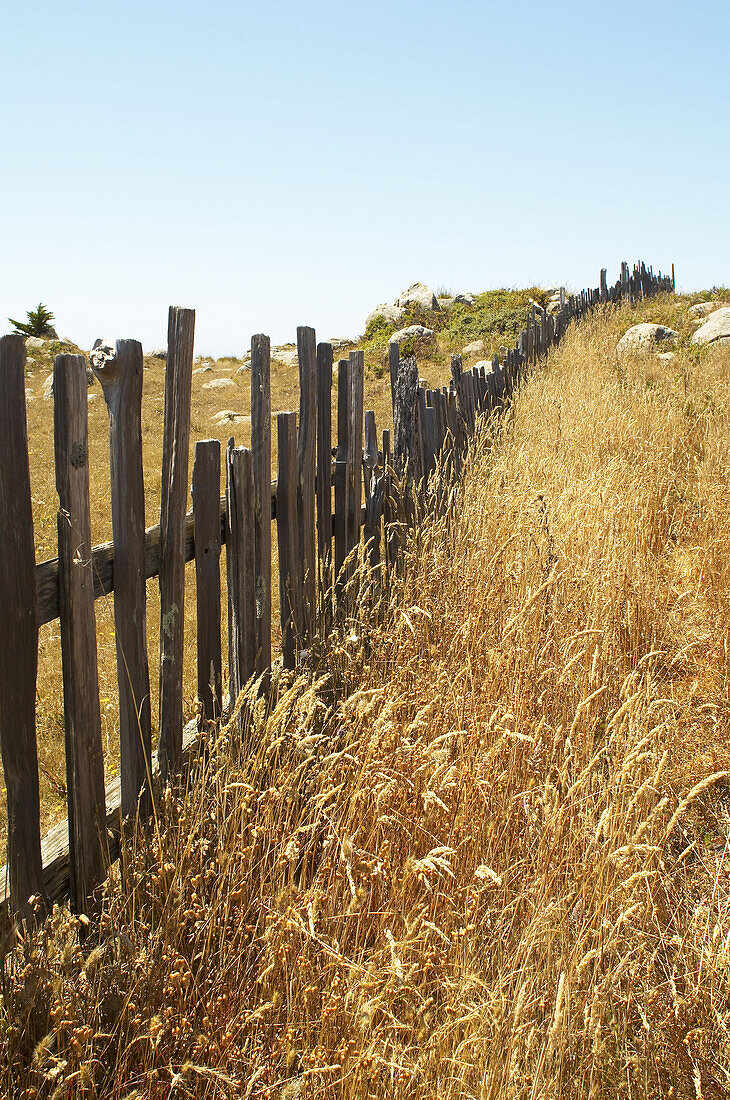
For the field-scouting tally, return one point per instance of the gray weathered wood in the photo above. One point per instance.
(393, 363)
(373, 490)
(19, 635)
(343, 423)
(82, 717)
(241, 569)
(287, 537)
(121, 383)
(207, 520)
(356, 379)
(324, 476)
(261, 448)
(173, 505)
(307, 468)
(406, 449)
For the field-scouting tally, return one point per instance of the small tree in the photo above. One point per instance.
(38, 323)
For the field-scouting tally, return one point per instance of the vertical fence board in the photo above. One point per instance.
(261, 448)
(324, 475)
(241, 569)
(356, 379)
(393, 364)
(287, 535)
(19, 634)
(343, 425)
(207, 528)
(174, 495)
(307, 464)
(121, 380)
(82, 717)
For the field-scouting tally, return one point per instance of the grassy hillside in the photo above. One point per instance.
(485, 855)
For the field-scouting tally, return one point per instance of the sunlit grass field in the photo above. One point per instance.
(484, 853)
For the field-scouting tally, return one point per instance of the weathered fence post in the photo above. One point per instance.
(343, 425)
(324, 479)
(19, 635)
(373, 491)
(241, 569)
(174, 496)
(307, 465)
(120, 376)
(288, 537)
(261, 447)
(88, 849)
(356, 379)
(207, 533)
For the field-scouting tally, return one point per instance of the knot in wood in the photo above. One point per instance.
(79, 455)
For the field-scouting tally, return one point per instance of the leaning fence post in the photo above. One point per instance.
(324, 478)
(288, 537)
(88, 850)
(307, 463)
(174, 495)
(120, 376)
(19, 635)
(241, 569)
(207, 533)
(261, 447)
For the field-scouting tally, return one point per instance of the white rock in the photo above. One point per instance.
(392, 314)
(287, 356)
(228, 416)
(486, 363)
(418, 332)
(36, 343)
(465, 299)
(203, 370)
(644, 338)
(477, 347)
(219, 384)
(716, 327)
(243, 369)
(667, 356)
(702, 309)
(48, 387)
(418, 294)
(158, 353)
(339, 342)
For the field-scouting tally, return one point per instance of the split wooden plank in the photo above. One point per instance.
(82, 716)
(288, 537)
(241, 569)
(120, 376)
(206, 516)
(324, 478)
(174, 494)
(307, 468)
(261, 448)
(19, 636)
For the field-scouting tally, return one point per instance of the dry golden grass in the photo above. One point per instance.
(484, 853)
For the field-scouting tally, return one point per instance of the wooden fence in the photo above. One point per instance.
(378, 488)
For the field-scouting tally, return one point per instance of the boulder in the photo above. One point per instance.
(667, 356)
(203, 370)
(287, 356)
(339, 342)
(48, 387)
(229, 416)
(715, 329)
(418, 294)
(414, 332)
(445, 303)
(465, 299)
(244, 368)
(36, 343)
(643, 338)
(701, 310)
(391, 314)
(477, 347)
(219, 384)
(158, 353)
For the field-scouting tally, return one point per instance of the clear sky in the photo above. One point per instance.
(279, 163)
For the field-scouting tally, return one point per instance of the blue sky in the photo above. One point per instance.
(275, 164)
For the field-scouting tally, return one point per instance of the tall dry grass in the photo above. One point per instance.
(483, 852)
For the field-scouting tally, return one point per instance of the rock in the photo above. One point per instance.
(219, 384)
(203, 370)
(667, 356)
(715, 328)
(158, 353)
(418, 294)
(465, 299)
(702, 309)
(36, 343)
(413, 332)
(445, 303)
(287, 356)
(340, 342)
(643, 338)
(246, 366)
(28, 393)
(228, 416)
(538, 307)
(391, 314)
(30, 362)
(477, 347)
(48, 387)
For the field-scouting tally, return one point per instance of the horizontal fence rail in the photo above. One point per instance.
(332, 499)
